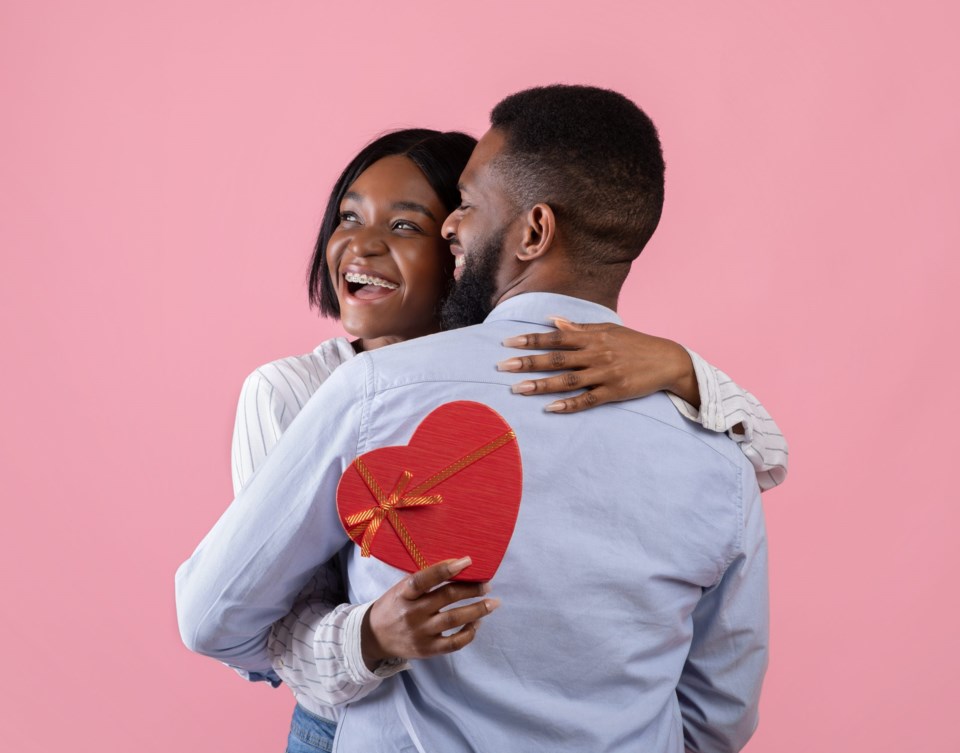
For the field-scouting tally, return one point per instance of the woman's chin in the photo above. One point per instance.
(376, 337)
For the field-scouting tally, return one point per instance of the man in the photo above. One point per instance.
(634, 589)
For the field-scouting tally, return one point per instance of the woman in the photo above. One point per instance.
(389, 205)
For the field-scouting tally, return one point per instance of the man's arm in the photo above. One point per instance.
(264, 411)
(247, 571)
(719, 688)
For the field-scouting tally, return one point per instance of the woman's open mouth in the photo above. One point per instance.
(367, 287)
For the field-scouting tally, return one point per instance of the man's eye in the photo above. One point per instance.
(463, 207)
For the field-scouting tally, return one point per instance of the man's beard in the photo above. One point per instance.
(472, 296)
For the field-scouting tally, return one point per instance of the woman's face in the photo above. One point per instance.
(387, 260)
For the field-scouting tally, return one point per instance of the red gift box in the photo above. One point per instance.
(453, 491)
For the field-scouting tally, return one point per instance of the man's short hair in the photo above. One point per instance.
(594, 157)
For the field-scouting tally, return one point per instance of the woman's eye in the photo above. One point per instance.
(405, 225)
(348, 217)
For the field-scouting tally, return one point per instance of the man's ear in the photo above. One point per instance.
(539, 232)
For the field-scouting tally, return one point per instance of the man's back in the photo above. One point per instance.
(629, 514)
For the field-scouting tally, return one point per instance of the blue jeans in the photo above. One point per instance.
(310, 733)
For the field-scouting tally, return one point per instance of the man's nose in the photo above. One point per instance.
(449, 228)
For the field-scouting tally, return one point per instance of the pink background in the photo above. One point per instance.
(163, 174)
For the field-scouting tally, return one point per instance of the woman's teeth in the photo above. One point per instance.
(370, 280)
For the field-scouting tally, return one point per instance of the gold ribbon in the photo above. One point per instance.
(369, 521)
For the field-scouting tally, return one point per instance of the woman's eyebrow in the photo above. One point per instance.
(397, 206)
(412, 206)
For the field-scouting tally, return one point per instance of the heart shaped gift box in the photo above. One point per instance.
(453, 491)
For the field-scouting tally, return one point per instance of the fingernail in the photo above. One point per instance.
(461, 564)
(511, 364)
(491, 604)
(557, 405)
(522, 388)
(559, 319)
(485, 588)
(513, 342)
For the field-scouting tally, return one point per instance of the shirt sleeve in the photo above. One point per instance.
(316, 651)
(248, 570)
(261, 419)
(725, 406)
(719, 687)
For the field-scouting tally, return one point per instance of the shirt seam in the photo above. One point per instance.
(362, 434)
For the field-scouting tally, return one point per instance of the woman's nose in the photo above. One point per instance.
(366, 241)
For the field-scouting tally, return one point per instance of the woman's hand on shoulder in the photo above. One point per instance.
(608, 361)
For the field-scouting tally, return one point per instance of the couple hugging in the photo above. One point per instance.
(630, 611)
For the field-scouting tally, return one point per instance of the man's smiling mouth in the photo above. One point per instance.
(459, 259)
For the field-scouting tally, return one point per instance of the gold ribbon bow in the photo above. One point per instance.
(369, 521)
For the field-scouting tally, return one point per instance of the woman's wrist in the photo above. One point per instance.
(370, 648)
(684, 382)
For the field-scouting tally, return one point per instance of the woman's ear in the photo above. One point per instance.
(539, 232)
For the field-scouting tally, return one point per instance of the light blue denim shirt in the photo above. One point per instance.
(634, 590)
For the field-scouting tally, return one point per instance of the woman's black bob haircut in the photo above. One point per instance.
(441, 158)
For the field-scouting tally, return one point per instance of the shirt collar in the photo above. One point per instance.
(534, 308)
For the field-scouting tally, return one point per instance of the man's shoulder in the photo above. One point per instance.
(453, 338)
(445, 355)
(658, 414)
